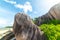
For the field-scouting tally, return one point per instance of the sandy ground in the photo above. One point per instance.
(3, 32)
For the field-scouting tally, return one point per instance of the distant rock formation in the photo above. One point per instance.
(53, 13)
(25, 29)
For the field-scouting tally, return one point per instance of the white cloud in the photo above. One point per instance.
(19, 6)
(26, 7)
(12, 2)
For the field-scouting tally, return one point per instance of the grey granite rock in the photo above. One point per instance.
(25, 29)
(53, 14)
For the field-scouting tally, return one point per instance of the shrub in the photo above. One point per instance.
(55, 22)
(51, 31)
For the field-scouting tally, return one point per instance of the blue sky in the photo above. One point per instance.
(34, 8)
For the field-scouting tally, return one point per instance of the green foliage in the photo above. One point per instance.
(55, 22)
(34, 20)
(8, 27)
(51, 31)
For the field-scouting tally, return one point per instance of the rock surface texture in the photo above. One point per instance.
(25, 29)
(53, 13)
